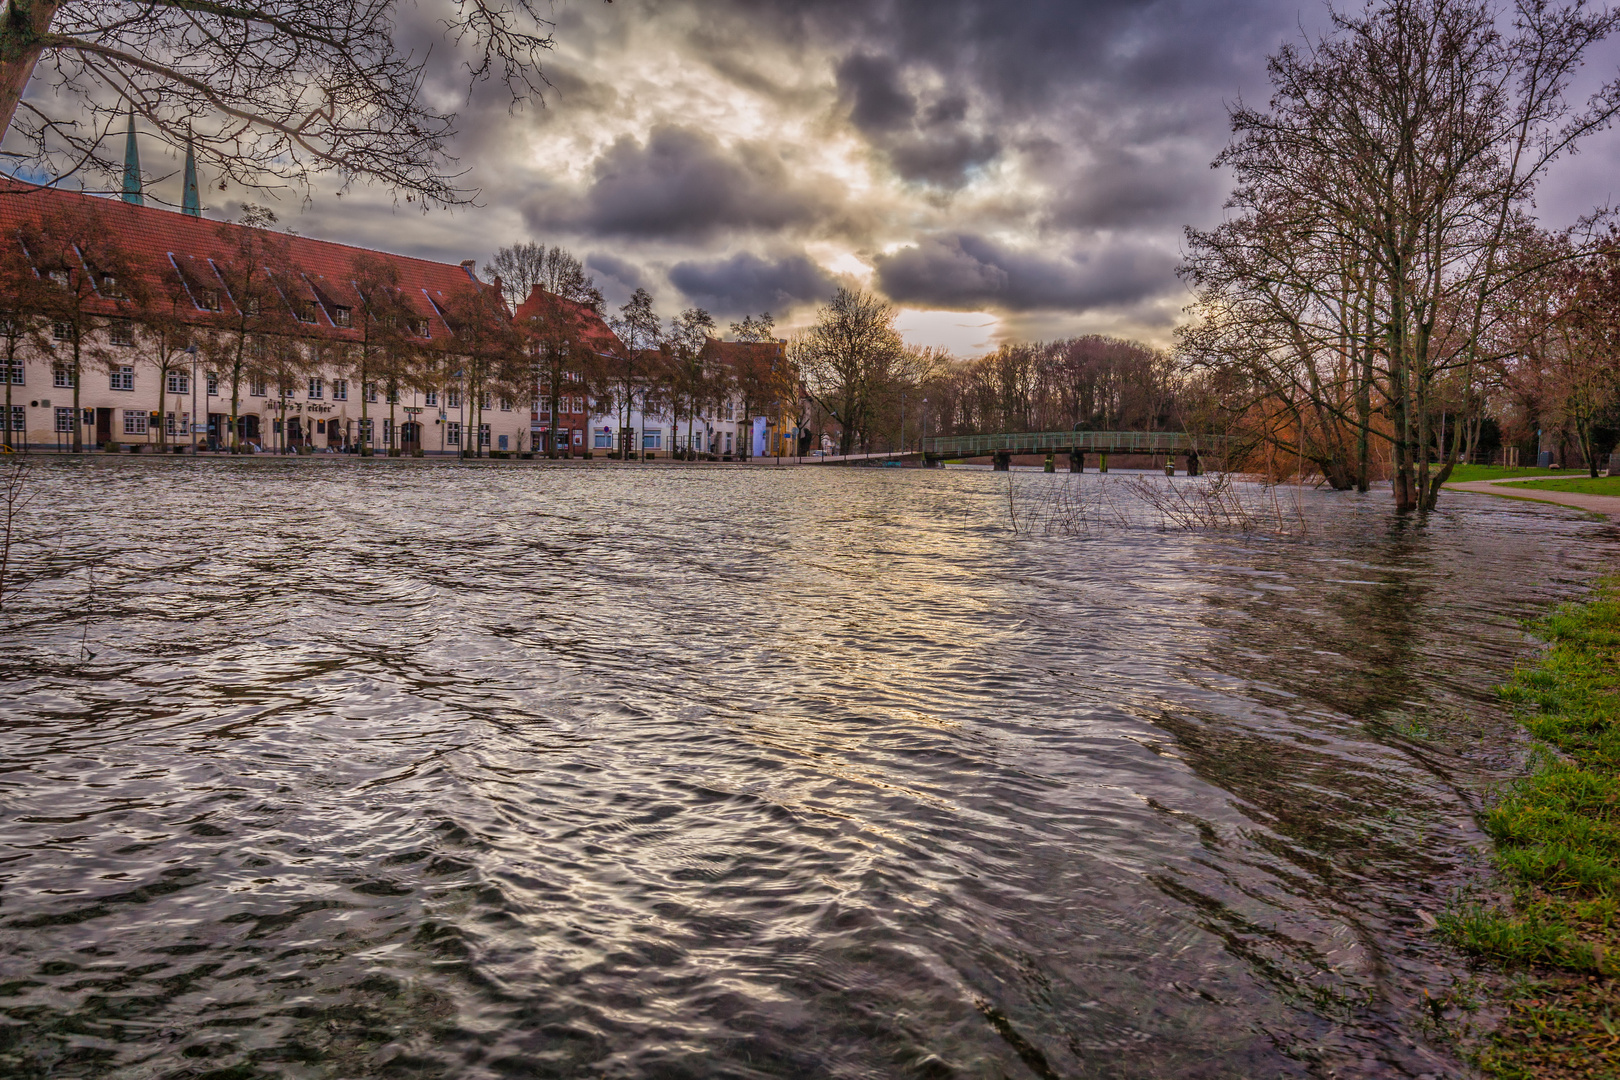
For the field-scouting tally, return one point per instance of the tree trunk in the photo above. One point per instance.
(78, 417)
(22, 27)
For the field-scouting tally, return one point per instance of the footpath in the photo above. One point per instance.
(1598, 504)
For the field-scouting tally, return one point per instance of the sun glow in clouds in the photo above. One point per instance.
(963, 333)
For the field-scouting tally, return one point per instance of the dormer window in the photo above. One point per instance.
(304, 310)
(250, 305)
(340, 316)
(60, 277)
(420, 327)
(110, 288)
(208, 299)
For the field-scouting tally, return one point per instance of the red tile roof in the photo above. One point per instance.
(163, 242)
(594, 331)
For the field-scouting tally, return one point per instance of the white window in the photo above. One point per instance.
(122, 377)
(340, 387)
(19, 418)
(169, 424)
(135, 421)
(483, 434)
(388, 432)
(430, 397)
(213, 385)
(17, 374)
(366, 429)
(602, 440)
(452, 399)
(109, 287)
(121, 332)
(257, 388)
(250, 305)
(728, 442)
(371, 391)
(62, 331)
(393, 395)
(304, 310)
(340, 316)
(64, 420)
(486, 402)
(179, 383)
(652, 439)
(506, 404)
(208, 299)
(421, 327)
(542, 410)
(452, 433)
(317, 389)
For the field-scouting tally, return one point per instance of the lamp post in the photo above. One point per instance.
(923, 446)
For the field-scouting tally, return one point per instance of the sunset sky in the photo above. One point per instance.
(998, 170)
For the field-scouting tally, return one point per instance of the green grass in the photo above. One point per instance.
(1557, 833)
(1464, 473)
(1584, 485)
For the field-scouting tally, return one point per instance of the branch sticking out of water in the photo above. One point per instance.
(16, 492)
(1218, 503)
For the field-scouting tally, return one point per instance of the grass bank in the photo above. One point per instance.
(1464, 473)
(1557, 834)
(1584, 485)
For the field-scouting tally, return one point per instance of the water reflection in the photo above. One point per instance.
(481, 772)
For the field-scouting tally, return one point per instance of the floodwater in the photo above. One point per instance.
(346, 769)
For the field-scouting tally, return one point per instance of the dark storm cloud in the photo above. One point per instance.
(682, 182)
(878, 104)
(967, 271)
(620, 270)
(746, 283)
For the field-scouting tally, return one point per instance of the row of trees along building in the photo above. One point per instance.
(92, 284)
(1379, 289)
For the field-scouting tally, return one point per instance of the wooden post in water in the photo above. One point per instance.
(1051, 465)
(1077, 460)
(1193, 468)
(1002, 461)
(1102, 462)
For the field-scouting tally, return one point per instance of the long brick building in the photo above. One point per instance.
(100, 298)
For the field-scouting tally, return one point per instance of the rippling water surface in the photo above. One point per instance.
(339, 769)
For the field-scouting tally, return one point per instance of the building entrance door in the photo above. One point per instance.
(103, 426)
(410, 436)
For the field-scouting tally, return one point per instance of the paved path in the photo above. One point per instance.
(1600, 504)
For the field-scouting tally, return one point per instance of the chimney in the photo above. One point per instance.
(469, 265)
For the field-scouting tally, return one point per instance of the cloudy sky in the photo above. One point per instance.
(998, 170)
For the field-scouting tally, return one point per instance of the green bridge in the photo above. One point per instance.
(1076, 444)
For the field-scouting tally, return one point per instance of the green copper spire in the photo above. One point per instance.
(191, 203)
(132, 165)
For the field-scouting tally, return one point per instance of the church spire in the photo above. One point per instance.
(191, 202)
(132, 165)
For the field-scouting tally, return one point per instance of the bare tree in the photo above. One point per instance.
(522, 268)
(638, 329)
(269, 91)
(1375, 205)
(84, 273)
(852, 358)
(251, 284)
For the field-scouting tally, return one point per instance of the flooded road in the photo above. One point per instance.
(322, 769)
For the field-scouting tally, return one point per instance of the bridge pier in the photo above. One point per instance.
(1051, 464)
(1002, 461)
(1192, 464)
(1077, 461)
(1102, 463)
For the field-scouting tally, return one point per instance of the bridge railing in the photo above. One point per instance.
(1112, 442)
